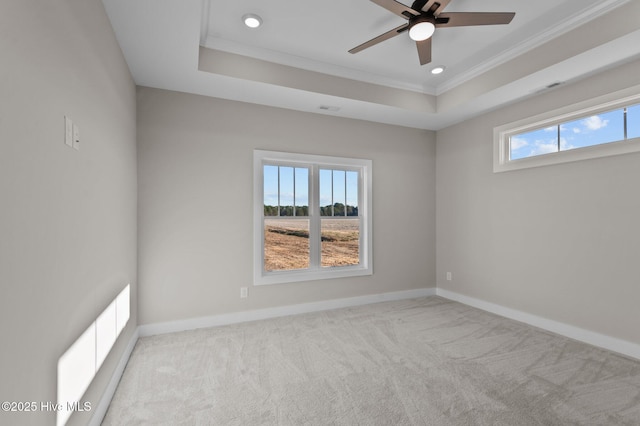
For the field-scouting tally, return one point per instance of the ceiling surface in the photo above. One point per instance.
(298, 58)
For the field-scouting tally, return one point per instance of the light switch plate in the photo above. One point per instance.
(76, 137)
(68, 132)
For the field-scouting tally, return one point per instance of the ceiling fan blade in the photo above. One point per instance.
(435, 6)
(463, 19)
(424, 51)
(382, 37)
(397, 8)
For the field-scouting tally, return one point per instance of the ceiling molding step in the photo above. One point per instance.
(248, 68)
(161, 42)
(221, 44)
(576, 43)
(571, 23)
(204, 21)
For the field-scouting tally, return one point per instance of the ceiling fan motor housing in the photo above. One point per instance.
(421, 27)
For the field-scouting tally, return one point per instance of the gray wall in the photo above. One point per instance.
(195, 203)
(67, 218)
(561, 242)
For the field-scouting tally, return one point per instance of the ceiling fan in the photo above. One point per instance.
(424, 17)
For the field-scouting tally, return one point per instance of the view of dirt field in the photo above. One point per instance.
(286, 244)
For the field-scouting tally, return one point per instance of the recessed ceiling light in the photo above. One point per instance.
(252, 20)
(438, 70)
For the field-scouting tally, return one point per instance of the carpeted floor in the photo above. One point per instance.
(427, 361)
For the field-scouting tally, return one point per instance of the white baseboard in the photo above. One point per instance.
(103, 405)
(596, 339)
(281, 311)
(232, 318)
(616, 345)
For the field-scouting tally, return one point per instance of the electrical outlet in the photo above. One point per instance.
(244, 292)
(449, 276)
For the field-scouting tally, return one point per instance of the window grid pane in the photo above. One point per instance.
(593, 130)
(301, 192)
(633, 121)
(326, 192)
(340, 241)
(286, 244)
(351, 185)
(338, 192)
(537, 142)
(270, 190)
(285, 191)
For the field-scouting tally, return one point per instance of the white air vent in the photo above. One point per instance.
(548, 86)
(329, 108)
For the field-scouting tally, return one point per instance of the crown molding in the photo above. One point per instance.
(570, 24)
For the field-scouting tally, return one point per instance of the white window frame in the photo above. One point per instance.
(601, 104)
(314, 163)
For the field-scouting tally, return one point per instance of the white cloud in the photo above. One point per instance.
(551, 129)
(564, 144)
(544, 147)
(517, 143)
(576, 130)
(594, 122)
(271, 198)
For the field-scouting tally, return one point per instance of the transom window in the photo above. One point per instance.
(611, 126)
(312, 217)
(606, 126)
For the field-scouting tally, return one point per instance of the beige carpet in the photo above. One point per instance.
(425, 361)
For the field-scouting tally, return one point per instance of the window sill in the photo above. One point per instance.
(281, 277)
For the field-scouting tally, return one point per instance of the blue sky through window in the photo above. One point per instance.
(352, 189)
(302, 187)
(538, 142)
(286, 188)
(336, 186)
(587, 131)
(593, 130)
(270, 185)
(633, 122)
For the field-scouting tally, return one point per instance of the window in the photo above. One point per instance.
(312, 217)
(605, 126)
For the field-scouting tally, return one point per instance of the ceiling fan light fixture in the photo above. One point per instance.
(421, 30)
(252, 20)
(424, 16)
